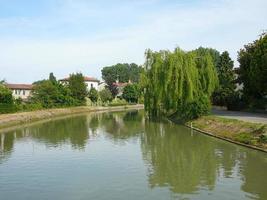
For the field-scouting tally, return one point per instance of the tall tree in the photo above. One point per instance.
(178, 82)
(253, 71)
(78, 87)
(122, 72)
(131, 93)
(52, 78)
(226, 75)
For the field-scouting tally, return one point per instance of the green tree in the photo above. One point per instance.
(78, 87)
(105, 95)
(123, 72)
(253, 72)
(226, 75)
(131, 93)
(5, 95)
(177, 81)
(50, 93)
(46, 93)
(93, 95)
(52, 78)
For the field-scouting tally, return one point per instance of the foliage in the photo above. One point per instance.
(105, 95)
(196, 108)
(5, 95)
(131, 93)
(245, 138)
(121, 72)
(52, 78)
(93, 95)
(175, 81)
(78, 88)
(118, 102)
(253, 72)
(226, 76)
(213, 53)
(51, 95)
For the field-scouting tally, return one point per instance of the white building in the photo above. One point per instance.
(91, 82)
(101, 86)
(22, 91)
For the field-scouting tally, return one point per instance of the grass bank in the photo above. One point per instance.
(14, 119)
(240, 132)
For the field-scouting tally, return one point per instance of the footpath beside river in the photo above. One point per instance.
(14, 119)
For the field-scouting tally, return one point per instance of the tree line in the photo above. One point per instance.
(187, 83)
(184, 83)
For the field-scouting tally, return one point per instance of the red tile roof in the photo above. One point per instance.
(86, 78)
(19, 86)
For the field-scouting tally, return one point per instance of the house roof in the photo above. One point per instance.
(19, 86)
(119, 84)
(86, 78)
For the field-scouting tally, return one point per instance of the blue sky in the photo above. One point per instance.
(64, 36)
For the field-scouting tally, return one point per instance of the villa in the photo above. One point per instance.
(22, 91)
(91, 82)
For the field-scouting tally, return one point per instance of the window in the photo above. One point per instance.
(92, 85)
(23, 92)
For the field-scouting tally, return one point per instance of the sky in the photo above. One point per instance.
(67, 36)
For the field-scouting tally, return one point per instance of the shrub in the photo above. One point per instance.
(245, 138)
(105, 95)
(234, 101)
(195, 108)
(118, 102)
(131, 93)
(93, 95)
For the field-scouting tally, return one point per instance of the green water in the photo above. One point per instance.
(123, 156)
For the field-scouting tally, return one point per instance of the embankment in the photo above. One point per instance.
(253, 135)
(7, 120)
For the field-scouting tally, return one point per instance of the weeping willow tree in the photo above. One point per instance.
(178, 82)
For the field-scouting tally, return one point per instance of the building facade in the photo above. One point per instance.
(22, 91)
(90, 82)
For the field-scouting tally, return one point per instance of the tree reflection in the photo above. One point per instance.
(254, 174)
(176, 159)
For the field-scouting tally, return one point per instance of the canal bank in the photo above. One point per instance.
(15, 119)
(248, 134)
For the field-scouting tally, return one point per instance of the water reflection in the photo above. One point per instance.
(185, 162)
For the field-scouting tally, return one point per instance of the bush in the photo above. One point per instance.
(245, 138)
(32, 106)
(234, 101)
(5, 95)
(118, 102)
(195, 108)
(131, 93)
(93, 95)
(105, 95)
(8, 108)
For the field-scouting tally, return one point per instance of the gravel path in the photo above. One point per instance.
(244, 116)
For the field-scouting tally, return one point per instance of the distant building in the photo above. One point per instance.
(91, 82)
(120, 86)
(22, 91)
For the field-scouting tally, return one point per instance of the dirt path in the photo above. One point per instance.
(244, 116)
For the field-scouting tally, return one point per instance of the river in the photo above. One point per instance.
(122, 155)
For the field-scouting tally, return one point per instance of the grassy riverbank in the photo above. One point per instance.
(7, 120)
(247, 133)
